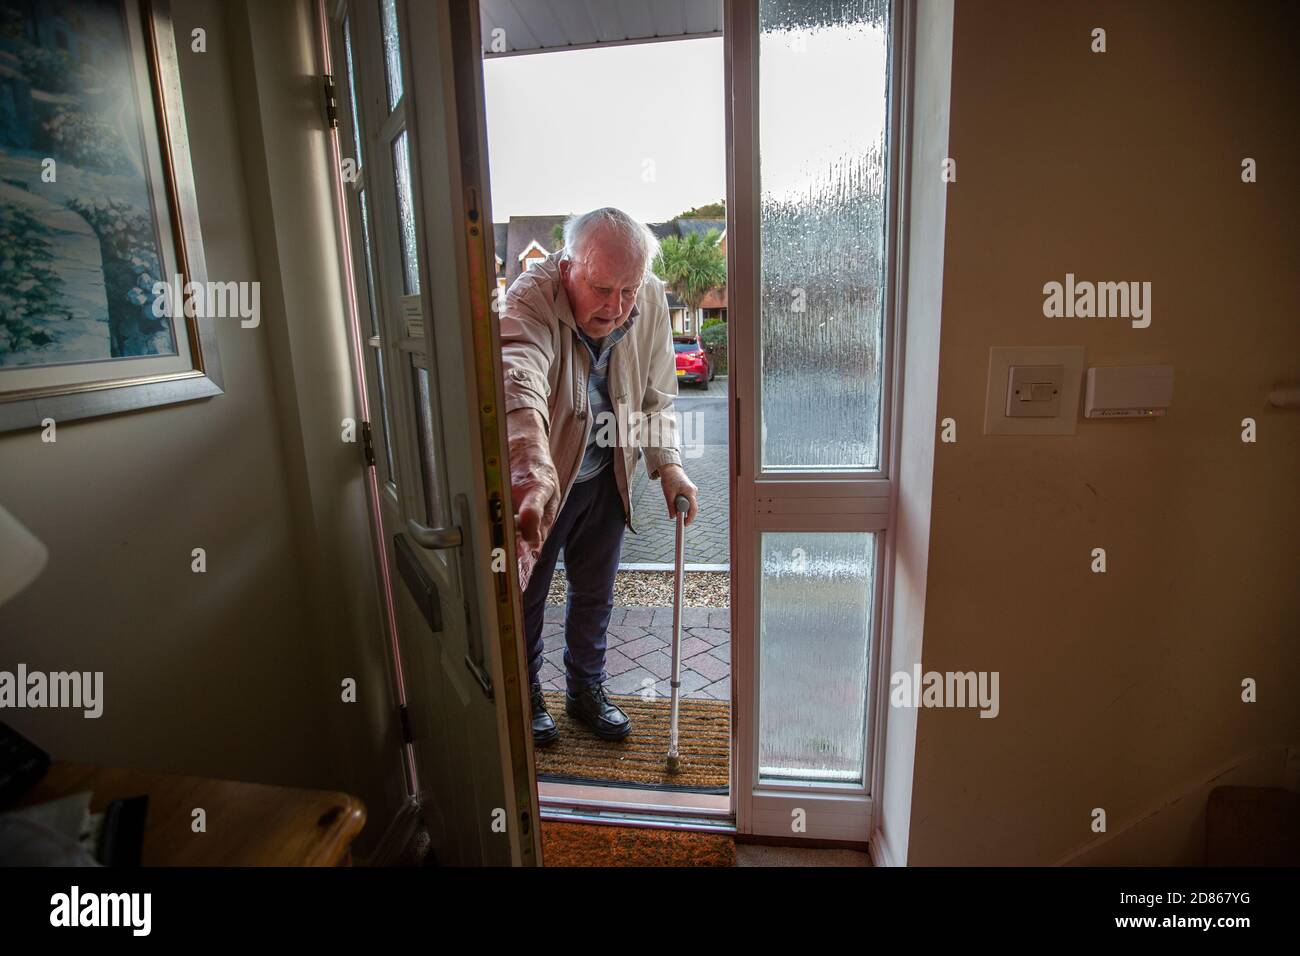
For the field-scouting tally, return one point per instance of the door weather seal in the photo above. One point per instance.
(469, 589)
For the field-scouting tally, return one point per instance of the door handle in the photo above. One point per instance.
(433, 539)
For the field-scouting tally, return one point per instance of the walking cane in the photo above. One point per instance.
(682, 505)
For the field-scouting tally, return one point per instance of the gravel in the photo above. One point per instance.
(655, 589)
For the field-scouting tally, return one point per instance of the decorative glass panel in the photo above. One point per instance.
(392, 52)
(406, 214)
(352, 89)
(433, 509)
(823, 80)
(815, 602)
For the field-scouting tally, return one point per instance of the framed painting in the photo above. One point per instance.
(98, 215)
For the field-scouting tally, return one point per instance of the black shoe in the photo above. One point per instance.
(592, 707)
(544, 729)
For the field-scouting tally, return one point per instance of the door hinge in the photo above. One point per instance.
(368, 444)
(330, 92)
(404, 715)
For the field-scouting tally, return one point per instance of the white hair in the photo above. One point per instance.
(639, 239)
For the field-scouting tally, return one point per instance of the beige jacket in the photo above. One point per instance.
(546, 367)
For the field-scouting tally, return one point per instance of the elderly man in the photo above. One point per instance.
(590, 379)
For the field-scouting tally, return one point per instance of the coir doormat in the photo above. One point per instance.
(640, 759)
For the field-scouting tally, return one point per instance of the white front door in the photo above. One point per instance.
(814, 94)
(423, 301)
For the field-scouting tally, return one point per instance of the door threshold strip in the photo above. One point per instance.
(712, 806)
(629, 784)
(626, 817)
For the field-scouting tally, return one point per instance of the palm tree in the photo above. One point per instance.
(692, 266)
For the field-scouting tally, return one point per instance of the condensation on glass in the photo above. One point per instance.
(814, 640)
(352, 89)
(392, 52)
(406, 214)
(823, 98)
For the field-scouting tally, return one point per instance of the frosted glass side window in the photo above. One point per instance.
(406, 214)
(823, 85)
(814, 627)
(392, 51)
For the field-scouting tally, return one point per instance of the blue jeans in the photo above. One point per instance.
(589, 528)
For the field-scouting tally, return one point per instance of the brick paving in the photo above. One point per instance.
(639, 651)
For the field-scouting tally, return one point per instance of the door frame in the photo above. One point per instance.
(844, 812)
(455, 150)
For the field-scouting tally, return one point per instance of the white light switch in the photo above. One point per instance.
(1034, 391)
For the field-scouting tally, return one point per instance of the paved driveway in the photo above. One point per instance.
(638, 652)
(702, 417)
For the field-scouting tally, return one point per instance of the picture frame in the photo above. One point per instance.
(75, 342)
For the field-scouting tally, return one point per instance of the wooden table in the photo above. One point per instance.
(248, 824)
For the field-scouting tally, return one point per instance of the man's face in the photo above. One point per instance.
(602, 285)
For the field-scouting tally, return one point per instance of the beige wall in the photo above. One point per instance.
(1117, 690)
(287, 171)
(199, 670)
(234, 673)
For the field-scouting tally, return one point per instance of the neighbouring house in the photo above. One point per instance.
(525, 239)
(500, 237)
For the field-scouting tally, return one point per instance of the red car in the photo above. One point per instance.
(694, 360)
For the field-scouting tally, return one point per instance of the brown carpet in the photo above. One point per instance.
(578, 844)
(703, 743)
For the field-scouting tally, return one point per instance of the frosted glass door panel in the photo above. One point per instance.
(823, 83)
(392, 52)
(352, 88)
(406, 214)
(815, 603)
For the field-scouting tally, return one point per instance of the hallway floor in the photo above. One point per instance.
(575, 844)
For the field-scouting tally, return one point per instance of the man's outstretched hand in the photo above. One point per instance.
(534, 487)
(673, 480)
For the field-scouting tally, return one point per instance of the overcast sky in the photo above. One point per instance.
(639, 127)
